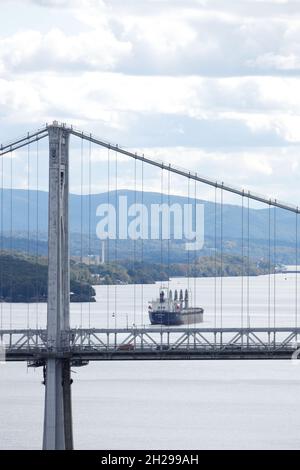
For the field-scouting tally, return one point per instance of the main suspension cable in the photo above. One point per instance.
(186, 173)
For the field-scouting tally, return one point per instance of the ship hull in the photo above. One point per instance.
(176, 318)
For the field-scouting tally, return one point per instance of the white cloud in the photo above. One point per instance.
(31, 50)
(279, 62)
(193, 79)
(17, 99)
(177, 106)
(181, 38)
(67, 3)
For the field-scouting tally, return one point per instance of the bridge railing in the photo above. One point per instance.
(93, 341)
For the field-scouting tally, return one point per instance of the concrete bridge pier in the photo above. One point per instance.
(58, 434)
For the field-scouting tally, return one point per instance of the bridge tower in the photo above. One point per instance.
(58, 432)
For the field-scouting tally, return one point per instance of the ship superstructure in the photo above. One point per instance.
(174, 309)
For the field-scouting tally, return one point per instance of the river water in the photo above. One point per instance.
(165, 404)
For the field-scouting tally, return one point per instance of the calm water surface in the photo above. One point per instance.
(152, 405)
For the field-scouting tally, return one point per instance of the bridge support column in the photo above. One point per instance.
(58, 411)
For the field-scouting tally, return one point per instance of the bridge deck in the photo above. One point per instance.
(83, 345)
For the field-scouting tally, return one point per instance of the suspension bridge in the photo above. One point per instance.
(58, 345)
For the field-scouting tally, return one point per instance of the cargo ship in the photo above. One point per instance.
(173, 310)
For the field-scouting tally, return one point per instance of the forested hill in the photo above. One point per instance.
(84, 242)
(232, 214)
(24, 279)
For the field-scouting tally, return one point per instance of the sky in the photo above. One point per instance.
(210, 85)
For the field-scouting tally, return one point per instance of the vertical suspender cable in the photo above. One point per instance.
(2, 230)
(161, 227)
(242, 277)
(248, 264)
(37, 239)
(108, 254)
(161, 230)
(28, 225)
(81, 232)
(90, 221)
(269, 275)
(142, 248)
(116, 234)
(216, 270)
(195, 253)
(11, 240)
(169, 233)
(221, 297)
(134, 252)
(188, 251)
(296, 274)
(275, 260)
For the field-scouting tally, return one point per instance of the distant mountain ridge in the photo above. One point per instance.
(84, 242)
(82, 221)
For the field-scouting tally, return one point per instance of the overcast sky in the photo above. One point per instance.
(212, 85)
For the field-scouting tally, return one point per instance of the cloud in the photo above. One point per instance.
(158, 111)
(249, 6)
(18, 99)
(31, 51)
(191, 38)
(67, 3)
(212, 84)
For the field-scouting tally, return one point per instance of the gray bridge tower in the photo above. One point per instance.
(58, 409)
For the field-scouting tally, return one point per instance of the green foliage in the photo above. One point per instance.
(81, 292)
(127, 272)
(25, 279)
(22, 279)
